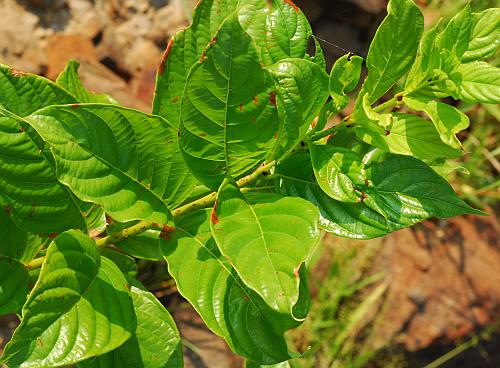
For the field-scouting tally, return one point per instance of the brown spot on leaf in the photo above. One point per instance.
(109, 220)
(367, 183)
(212, 42)
(292, 4)
(272, 98)
(17, 73)
(213, 217)
(296, 272)
(241, 107)
(275, 135)
(8, 210)
(166, 54)
(203, 56)
(22, 130)
(75, 106)
(387, 132)
(175, 99)
(166, 231)
(52, 235)
(255, 100)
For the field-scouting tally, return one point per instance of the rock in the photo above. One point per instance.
(441, 287)
(19, 45)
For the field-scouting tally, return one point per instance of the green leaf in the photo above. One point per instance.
(295, 177)
(447, 119)
(409, 191)
(227, 128)
(393, 49)
(14, 282)
(144, 246)
(23, 93)
(70, 80)
(344, 78)
(17, 244)
(29, 190)
(409, 135)
(287, 34)
(155, 344)
(485, 38)
(266, 238)
(228, 307)
(187, 46)
(125, 263)
(337, 170)
(399, 192)
(479, 82)
(126, 161)
(78, 294)
(302, 89)
(453, 41)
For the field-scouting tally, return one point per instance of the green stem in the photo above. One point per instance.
(142, 226)
(327, 132)
(393, 102)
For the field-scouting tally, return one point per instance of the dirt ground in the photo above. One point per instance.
(444, 276)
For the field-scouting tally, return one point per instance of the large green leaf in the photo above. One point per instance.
(393, 48)
(338, 170)
(399, 191)
(485, 35)
(126, 161)
(14, 282)
(29, 190)
(344, 77)
(409, 191)
(447, 119)
(266, 238)
(155, 344)
(228, 307)
(79, 308)
(186, 48)
(302, 89)
(70, 80)
(409, 135)
(295, 177)
(23, 93)
(228, 118)
(479, 82)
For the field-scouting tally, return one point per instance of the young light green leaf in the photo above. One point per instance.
(479, 82)
(14, 282)
(227, 128)
(295, 177)
(447, 119)
(337, 170)
(23, 93)
(393, 49)
(453, 41)
(69, 80)
(29, 190)
(266, 240)
(155, 344)
(79, 308)
(344, 77)
(409, 135)
(302, 89)
(485, 38)
(228, 307)
(126, 161)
